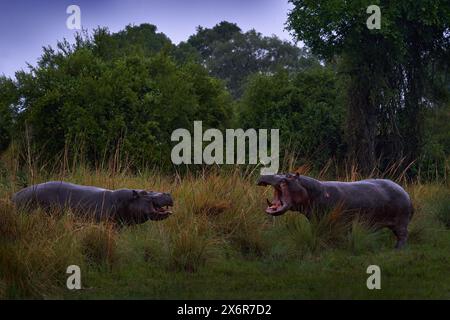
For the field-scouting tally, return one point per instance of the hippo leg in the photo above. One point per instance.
(402, 236)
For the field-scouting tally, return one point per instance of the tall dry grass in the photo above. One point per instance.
(218, 215)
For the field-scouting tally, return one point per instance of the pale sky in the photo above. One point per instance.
(27, 26)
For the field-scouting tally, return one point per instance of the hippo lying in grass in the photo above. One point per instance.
(380, 202)
(124, 206)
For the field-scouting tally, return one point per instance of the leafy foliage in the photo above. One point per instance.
(232, 55)
(122, 94)
(79, 95)
(8, 96)
(388, 68)
(305, 106)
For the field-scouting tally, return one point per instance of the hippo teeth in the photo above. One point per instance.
(273, 206)
(164, 210)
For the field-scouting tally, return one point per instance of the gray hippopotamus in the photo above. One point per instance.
(125, 206)
(382, 202)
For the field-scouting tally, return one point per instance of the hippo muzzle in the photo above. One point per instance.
(161, 203)
(282, 200)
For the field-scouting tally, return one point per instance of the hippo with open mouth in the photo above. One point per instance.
(383, 202)
(124, 206)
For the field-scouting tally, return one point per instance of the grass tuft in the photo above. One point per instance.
(98, 244)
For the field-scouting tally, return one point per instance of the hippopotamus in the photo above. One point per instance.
(381, 202)
(125, 206)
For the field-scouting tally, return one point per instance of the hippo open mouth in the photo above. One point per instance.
(160, 213)
(162, 204)
(151, 205)
(281, 197)
(163, 210)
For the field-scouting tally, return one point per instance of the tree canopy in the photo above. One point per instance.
(390, 70)
(374, 95)
(305, 106)
(232, 55)
(96, 99)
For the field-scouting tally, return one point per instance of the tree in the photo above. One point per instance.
(387, 68)
(232, 55)
(435, 157)
(305, 106)
(80, 96)
(8, 104)
(143, 39)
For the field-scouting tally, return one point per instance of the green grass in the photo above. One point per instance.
(219, 244)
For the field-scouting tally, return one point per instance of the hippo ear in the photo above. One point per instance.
(135, 194)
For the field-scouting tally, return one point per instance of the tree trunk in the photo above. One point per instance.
(361, 125)
(412, 116)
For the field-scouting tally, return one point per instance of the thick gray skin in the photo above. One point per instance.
(125, 206)
(381, 202)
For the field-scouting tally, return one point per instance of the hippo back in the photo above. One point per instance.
(82, 199)
(365, 193)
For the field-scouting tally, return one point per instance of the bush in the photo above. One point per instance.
(305, 107)
(125, 105)
(98, 244)
(8, 99)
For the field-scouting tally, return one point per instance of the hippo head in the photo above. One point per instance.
(142, 205)
(291, 192)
